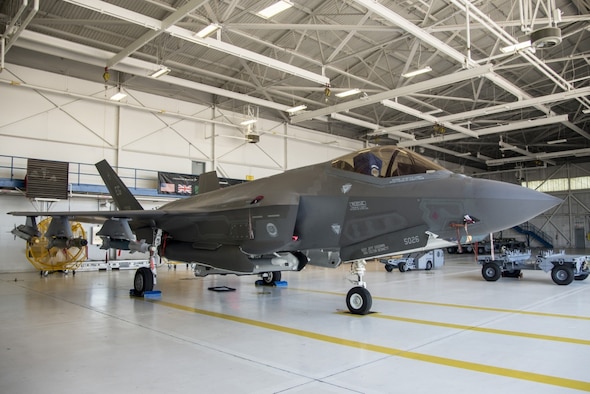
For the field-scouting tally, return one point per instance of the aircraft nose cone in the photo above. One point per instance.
(503, 205)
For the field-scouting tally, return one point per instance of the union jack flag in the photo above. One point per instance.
(184, 189)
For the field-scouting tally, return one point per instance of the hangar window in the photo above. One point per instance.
(386, 161)
(559, 185)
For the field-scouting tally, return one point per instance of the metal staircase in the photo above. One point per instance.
(532, 231)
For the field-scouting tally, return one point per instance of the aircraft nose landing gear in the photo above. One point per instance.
(358, 299)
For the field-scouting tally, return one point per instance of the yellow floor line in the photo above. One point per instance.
(504, 372)
(473, 307)
(483, 329)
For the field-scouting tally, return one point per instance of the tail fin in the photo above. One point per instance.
(120, 193)
(208, 182)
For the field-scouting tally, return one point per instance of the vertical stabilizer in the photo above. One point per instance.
(120, 193)
(208, 182)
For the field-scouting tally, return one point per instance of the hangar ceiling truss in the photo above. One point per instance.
(500, 73)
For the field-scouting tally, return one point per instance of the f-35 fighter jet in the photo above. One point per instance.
(374, 202)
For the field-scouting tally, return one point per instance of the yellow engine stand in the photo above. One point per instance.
(55, 259)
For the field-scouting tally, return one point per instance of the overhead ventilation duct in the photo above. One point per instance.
(252, 138)
(546, 37)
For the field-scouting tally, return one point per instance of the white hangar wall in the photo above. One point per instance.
(70, 119)
(56, 117)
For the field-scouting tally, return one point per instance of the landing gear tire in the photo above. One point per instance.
(428, 266)
(581, 277)
(389, 267)
(562, 275)
(143, 281)
(271, 277)
(359, 300)
(491, 272)
(402, 267)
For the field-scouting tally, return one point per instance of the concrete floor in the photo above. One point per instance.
(440, 331)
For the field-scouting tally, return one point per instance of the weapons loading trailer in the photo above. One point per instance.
(419, 260)
(565, 268)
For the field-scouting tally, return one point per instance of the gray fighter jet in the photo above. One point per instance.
(374, 202)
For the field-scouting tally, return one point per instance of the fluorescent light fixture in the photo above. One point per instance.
(248, 122)
(557, 141)
(163, 70)
(516, 47)
(208, 30)
(586, 111)
(252, 56)
(355, 121)
(118, 96)
(274, 9)
(348, 93)
(296, 109)
(464, 154)
(417, 72)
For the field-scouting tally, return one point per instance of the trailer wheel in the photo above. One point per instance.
(491, 272)
(562, 275)
(428, 266)
(402, 267)
(581, 277)
(388, 267)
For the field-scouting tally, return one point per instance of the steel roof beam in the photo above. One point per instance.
(139, 19)
(523, 152)
(451, 52)
(105, 8)
(21, 28)
(230, 49)
(457, 154)
(552, 98)
(87, 55)
(150, 35)
(523, 124)
(429, 118)
(367, 125)
(506, 38)
(539, 156)
(398, 92)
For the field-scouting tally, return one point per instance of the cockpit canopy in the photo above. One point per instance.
(385, 162)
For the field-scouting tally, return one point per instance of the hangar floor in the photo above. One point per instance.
(439, 331)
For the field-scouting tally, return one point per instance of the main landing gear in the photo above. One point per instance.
(270, 278)
(145, 278)
(358, 299)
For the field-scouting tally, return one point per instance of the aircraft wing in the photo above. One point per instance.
(93, 216)
(206, 227)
